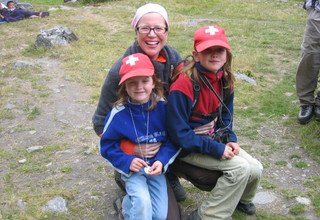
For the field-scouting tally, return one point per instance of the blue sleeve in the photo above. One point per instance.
(181, 133)
(110, 149)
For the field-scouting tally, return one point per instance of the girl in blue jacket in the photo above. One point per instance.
(139, 116)
(199, 120)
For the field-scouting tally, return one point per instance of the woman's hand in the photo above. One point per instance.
(147, 150)
(206, 129)
(155, 169)
(137, 164)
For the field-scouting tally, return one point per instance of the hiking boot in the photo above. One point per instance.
(249, 209)
(194, 215)
(317, 112)
(305, 114)
(176, 186)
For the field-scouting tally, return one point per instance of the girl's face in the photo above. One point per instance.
(139, 88)
(212, 58)
(152, 43)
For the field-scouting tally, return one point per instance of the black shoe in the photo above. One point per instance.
(176, 186)
(317, 112)
(305, 114)
(249, 209)
(194, 215)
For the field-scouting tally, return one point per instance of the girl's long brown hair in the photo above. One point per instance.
(155, 96)
(190, 70)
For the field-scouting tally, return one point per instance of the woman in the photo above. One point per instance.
(151, 26)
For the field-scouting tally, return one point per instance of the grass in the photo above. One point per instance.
(265, 37)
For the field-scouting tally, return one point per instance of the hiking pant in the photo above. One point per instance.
(309, 66)
(239, 182)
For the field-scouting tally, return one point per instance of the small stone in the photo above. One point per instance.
(21, 204)
(34, 148)
(22, 161)
(57, 204)
(32, 132)
(264, 198)
(303, 200)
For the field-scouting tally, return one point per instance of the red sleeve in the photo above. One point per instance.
(127, 147)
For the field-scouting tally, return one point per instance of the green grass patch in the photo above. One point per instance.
(297, 209)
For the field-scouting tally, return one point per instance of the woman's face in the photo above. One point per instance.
(212, 58)
(152, 43)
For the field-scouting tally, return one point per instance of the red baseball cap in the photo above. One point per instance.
(210, 36)
(137, 64)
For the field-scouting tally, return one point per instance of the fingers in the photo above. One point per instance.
(137, 164)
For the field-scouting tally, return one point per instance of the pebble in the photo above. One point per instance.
(34, 148)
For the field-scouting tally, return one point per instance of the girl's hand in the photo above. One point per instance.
(228, 153)
(137, 164)
(147, 150)
(155, 169)
(235, 147)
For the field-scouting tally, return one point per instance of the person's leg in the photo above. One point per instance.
(201, 178)
(245, 204)
(317, 106)
(229, 188)
(159, 197)
(308, 69)
(137, 203)
(173, 206)
(174, 212)
(179, 192)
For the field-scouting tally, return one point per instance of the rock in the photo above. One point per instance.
(22, 64)
(22, 161)
(243, 77)
(21, 204)
(34, 148)
(303, 200)
(57, 204)
(264, 198)
(23, 5)
(10, 106)
(59, 35)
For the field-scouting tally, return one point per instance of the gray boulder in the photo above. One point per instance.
(59, 35)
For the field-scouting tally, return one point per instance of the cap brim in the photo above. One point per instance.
(134, 73)
(211, 43)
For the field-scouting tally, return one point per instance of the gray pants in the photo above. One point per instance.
(309, 66)
(239, 182)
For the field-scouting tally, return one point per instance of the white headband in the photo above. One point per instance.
(148, 8)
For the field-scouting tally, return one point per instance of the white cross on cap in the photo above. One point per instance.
(211, 30)
(132, 60)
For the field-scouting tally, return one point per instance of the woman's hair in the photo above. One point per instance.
(190, 70)
(155, 97)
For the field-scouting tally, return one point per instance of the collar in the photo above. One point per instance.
(214, 76)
